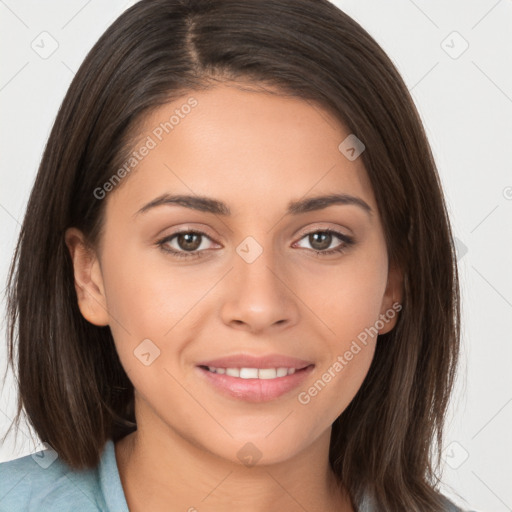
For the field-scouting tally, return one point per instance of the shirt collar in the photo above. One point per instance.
(110, 481)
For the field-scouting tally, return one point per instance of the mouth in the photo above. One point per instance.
(253, 384)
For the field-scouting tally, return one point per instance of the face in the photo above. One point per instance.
(184, 284)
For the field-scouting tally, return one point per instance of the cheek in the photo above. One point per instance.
(336, 385)
(144, 293)
(150, 299)
(350, 313)
(349, 305)
(348, 298)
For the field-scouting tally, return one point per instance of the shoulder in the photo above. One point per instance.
(42, 482)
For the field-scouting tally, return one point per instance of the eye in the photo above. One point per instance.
(321, 240)
(187, 243)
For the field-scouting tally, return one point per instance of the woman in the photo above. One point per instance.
(235, 285)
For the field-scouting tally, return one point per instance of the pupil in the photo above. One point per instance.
(324, 244)
(184, 241)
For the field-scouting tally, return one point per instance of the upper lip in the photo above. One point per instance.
(249, 361)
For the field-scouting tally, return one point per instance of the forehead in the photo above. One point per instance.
(243, 147)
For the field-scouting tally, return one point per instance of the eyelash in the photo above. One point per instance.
(347, 242)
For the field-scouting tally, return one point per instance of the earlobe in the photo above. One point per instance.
(88, 278)
(392, 300)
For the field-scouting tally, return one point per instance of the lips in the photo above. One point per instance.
(249, 378)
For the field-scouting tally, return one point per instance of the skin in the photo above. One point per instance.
(256, 152)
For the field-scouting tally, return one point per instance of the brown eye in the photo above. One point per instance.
(321, 240)
(188, 241)
(187, 244)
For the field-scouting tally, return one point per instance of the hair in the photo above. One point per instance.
(71, 384)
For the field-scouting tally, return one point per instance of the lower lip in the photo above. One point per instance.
(255, 390)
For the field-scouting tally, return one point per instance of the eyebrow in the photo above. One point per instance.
(210, 205)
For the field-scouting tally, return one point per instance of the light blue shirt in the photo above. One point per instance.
(29, 484)
(41, 482)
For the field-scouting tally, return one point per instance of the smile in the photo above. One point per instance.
(254, 384)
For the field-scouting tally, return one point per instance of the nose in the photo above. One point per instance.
(258, 295)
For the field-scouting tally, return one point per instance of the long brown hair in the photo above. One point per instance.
(387, 443)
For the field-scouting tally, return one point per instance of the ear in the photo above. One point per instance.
(392, 300)
(88, 278)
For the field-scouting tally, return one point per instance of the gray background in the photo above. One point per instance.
(465, 99)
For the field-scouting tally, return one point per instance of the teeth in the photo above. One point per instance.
(233, 372)
(267, 373)
(254, 373)
(248, 373)
(281, 372)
